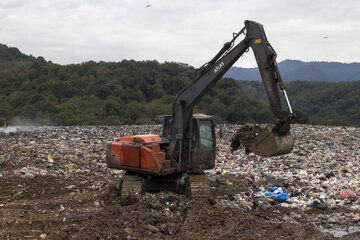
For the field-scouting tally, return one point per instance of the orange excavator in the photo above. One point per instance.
(176, 160)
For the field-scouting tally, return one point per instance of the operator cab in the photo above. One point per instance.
(198, 152)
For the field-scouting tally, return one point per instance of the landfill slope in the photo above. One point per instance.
(54, 184)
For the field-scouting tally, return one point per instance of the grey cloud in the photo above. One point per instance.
(71, 31)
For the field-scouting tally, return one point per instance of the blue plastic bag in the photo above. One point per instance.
(278, 193)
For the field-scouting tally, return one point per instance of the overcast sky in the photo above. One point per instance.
(187, 31)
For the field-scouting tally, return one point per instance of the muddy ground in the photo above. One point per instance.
(54, 185)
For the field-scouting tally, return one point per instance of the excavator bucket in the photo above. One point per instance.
(265, 142)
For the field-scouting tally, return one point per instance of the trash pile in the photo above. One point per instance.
(316, 185)
(321, 173)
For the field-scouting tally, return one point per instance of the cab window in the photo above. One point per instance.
(206, 137)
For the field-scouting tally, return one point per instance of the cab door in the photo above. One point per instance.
(204, 145)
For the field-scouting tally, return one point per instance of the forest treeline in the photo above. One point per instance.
(36, 91)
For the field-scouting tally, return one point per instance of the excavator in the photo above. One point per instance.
(176, 159)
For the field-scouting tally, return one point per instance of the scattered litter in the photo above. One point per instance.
(277, 193)
(319, 204)
(164, 228)
(347, 193)
(50, 160)
(43, 236)
(29, 175)
(61, 208)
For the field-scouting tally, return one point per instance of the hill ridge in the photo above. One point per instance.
(297, 70)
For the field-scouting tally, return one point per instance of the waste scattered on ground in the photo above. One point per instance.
(55, 185)
(348, 193)
(277, 193)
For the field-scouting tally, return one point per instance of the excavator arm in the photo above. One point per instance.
(265, 57)
(210, 73)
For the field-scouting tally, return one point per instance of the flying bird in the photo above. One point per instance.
(147, 6)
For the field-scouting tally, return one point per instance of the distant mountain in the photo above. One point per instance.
(295, 70)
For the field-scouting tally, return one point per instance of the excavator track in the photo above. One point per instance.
(199, 187)
(132, 189)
